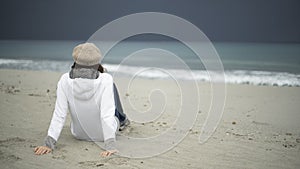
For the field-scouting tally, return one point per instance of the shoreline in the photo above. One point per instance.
(229, 82)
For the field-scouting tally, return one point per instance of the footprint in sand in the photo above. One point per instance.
(91, 163)
(104, 161)
(116, 160)
(11, 141)
(59, 154)
(59, 157)
(7, 158)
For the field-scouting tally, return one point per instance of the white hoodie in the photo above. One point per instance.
(92, 108)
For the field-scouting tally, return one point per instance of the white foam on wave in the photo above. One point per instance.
(14, 61)
(59, 66)
(233, 76)
(263, 78)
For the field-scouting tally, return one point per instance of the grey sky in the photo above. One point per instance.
(220, 20)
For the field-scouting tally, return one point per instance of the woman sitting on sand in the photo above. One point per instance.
(92, 99)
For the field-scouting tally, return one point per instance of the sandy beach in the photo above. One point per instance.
(259, 129)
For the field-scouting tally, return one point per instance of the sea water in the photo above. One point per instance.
(244, 63)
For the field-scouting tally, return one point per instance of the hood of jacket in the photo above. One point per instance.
(84, 89)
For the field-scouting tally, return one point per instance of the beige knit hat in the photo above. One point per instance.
(87, 54)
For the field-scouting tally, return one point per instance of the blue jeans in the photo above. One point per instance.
(119, 110)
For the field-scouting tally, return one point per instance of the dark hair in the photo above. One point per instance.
(100, 67)
(73, 66)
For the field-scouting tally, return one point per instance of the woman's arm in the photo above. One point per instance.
(57, 122)
(108, 120)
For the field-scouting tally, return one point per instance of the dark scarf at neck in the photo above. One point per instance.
(86, 72)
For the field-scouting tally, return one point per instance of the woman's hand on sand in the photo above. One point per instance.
(40, 150)
(108, 153)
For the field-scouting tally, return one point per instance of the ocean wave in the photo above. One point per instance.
(231, 76)
(58, 66)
